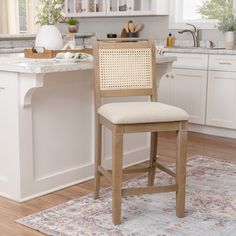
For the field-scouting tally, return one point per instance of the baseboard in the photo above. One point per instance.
(211, 130)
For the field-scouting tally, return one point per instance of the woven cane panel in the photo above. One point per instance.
(125, 69)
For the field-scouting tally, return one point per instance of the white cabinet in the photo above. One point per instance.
(130, 7)
(186, 88)
(85, 8)
(221, 101)
(91, 8)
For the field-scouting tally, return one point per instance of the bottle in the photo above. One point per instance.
(170, 41)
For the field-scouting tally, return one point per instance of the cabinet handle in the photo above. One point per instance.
(2, 88)
(225, 63)
(167, 76)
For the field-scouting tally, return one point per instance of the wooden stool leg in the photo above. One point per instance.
(117, 161)
(153, 154)
(181, 158)
(98, 158)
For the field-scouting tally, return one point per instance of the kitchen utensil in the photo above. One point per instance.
(123, 33)
(131, 26)
(138, 27)
(126, 26)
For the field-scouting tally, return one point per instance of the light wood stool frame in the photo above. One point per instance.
(118, 130)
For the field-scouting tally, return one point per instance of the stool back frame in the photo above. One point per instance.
(132, 73)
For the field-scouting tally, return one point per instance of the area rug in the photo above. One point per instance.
(210, 208)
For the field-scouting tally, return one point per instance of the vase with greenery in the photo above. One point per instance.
(222, 10)
(227, 25)
(50, 12)
(72, 25)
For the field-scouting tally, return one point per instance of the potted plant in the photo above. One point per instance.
(72, 25)
(49, 14)
(227, 25)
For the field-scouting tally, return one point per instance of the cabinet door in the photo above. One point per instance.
(86, 8)
(221, 100)
(186, 89)
(130, 7)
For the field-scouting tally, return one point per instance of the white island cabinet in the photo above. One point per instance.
(47, 126)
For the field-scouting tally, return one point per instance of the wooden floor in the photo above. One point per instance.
(211, 146)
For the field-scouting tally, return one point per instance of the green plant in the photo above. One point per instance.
(72, 21)
(215, 9)
(227, 23)
(222, 10)
(50, 12)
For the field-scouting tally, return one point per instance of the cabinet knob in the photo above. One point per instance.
(167, 76)
(130, 8)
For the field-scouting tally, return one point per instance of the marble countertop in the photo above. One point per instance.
(17, 63)
(200, 50)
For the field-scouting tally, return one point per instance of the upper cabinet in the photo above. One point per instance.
(130, 7)
(85, 8)
(92, 8)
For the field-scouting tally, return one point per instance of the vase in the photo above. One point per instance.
(49, 37)
(229, 40)
(73, 28)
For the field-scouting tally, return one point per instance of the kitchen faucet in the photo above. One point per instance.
(194, 33)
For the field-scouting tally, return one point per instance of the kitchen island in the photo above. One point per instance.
(47, 125)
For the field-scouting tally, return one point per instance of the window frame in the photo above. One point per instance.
(27, 17)
(175, 22)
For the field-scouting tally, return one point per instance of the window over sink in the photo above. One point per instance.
(202, 13)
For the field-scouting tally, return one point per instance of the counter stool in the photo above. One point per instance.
(127, 67)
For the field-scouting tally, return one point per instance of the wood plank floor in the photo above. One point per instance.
(211, 146)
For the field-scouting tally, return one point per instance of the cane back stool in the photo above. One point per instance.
(128, 68)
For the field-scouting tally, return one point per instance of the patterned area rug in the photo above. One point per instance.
(210, 208)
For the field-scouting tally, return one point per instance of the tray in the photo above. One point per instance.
(32, 53)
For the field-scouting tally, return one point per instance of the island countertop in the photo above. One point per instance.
(17, 63)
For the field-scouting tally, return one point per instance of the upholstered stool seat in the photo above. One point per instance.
(141, 112)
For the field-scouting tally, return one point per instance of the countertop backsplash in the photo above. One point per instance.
(15, 44)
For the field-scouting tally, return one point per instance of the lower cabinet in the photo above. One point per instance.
(204, 86)
(221, 102)
(186, 89)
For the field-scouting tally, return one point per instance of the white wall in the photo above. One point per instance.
(154, 26)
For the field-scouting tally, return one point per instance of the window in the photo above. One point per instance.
(23, 22)
(26, 15)
(202, 13)
(17, 16)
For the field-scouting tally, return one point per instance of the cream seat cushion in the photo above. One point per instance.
(141, 112)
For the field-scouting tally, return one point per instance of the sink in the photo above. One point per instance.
(216, 48)
(196, 48)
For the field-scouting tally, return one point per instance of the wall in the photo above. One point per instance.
(154, 26)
